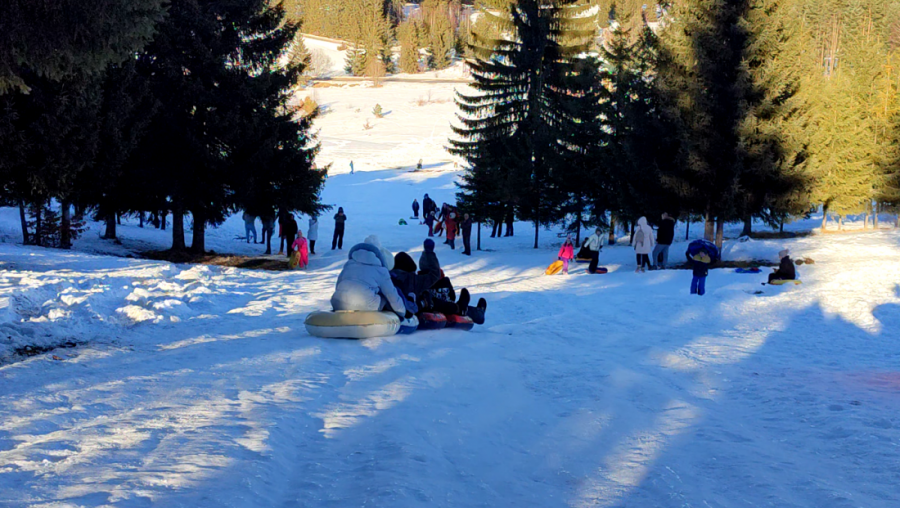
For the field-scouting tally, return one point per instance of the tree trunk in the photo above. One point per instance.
(748, 226)
(840, 222)
(478, 241)
(578, 228)
(198, 238)
(781, 226)
(110, 219)
(38, 225)
(875, 217)
(687, 229)
(162, 219)
(611, 238)
(824, 219)
(24, 221)
(65, 233)
(709, 232)
(720, 233)
(118, 218)
(177, 228)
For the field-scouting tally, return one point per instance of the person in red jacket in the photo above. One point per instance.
(450, 225)
(567, 253)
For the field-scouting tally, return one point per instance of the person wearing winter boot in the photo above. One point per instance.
(250, 226)
(466, 229)
(337, 241)
(664, 237)
(643, 244)
(593, 244)
(450, 224)
(415, 207)
(786, 270)
(700, 266)
(566, 253)
(290, 229)
(312, 234)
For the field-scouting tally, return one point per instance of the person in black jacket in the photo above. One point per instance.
(289, 230)
(664, 237)
(786, 270)
(466, 227)
(415, 207)
(338, 239)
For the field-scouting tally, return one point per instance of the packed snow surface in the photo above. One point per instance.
(198, 386)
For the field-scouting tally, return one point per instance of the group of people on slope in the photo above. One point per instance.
(446, 219)
(651, 248)
(291, 236)
(374, 280)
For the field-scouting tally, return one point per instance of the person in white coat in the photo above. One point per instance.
(643, 243)
(365, 284)
(594, 243)
(312, 233)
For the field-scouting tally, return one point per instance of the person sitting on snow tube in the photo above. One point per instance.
(786, 270)
(365, 284)
(439, 296)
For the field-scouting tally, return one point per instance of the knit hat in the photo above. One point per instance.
(429, 245)
(783, 254)
(402, 261)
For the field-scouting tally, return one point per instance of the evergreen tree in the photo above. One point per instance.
(440, 34)
(409, 48)
(66, 37)
(523, 82)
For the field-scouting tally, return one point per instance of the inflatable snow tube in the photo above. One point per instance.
(554, 268)
(463, 323)
(352, 324)
(432, 321)
(781, 282)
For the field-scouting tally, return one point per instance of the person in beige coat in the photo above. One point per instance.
(643, 243)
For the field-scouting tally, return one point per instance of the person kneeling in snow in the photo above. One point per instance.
(786, 270)
(365, 284)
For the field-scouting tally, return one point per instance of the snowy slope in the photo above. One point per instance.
(195, 386)
(198, 386)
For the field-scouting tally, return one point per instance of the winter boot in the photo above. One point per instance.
(463, 302)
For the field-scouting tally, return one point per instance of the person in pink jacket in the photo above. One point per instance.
(301, 251)
(566, 253)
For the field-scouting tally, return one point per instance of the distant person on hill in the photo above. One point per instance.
(429, 221)
(337, 241)
(268, 229)
(643, 244)
(567, 253)
(786, 270)
(664, 237)
(250, 226)
(415, 207)
(351, 167)
(312, 234)
(593, 244)
(466, 227)
(290, 230)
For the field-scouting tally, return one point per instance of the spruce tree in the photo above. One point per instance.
(522, 82)
(409, 48)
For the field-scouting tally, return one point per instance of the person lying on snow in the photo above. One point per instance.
(786, 270)
(365, 284)
(432, 290)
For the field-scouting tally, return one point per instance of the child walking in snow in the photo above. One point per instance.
(300, 256)
(700, 254)
(567, 253)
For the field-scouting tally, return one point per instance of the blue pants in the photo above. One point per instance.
(698, 285)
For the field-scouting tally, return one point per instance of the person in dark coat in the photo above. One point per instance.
(700, 267)
(664, 237)
(289, 229)
(429, 221)
(466, 227)
(337, 241)
(415, 207)
(268, 229)
(786, 270)
(428, 205)
(441, 297)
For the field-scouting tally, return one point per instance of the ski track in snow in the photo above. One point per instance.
(197, 386)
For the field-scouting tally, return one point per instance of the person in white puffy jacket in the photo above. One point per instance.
(643, 243)
(365, 284)
(594, 243)
(312, 233)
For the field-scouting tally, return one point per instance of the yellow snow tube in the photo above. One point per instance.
(554, 268)
(352, 324)
(781, 282)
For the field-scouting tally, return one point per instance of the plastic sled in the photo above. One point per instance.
(432, 321)
(747, 270)
(779, 282)
(600, 271)
(463, 323)
(554, 268)
(352, 324)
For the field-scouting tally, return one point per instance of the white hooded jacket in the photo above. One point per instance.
(364, 281)
(313, 233)
(645, 246)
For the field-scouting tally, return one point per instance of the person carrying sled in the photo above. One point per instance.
(566, 253)
(415, 207)
(338, 239)
(643, 244)
(700, 254)
(664, 237)
(593, 244)
(786, 270)
(365, 284)
(300, 257)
